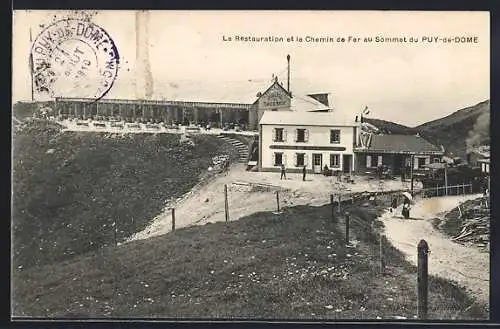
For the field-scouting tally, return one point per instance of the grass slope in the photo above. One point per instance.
(450, 131)
(453, 130)
(64, 202)
(388, 127)
(264, 266)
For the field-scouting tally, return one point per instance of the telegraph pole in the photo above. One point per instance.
(446, 177)
(31, 71)
(411, 173)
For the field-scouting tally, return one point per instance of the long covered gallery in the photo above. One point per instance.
(236, 105)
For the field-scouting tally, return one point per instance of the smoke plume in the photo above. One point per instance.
(144, 85)
(480, 133)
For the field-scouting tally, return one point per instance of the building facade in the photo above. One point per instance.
(397, 152)
(313, 140)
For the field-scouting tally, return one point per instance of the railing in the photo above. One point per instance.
(459, 189)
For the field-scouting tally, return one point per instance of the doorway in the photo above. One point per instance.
(347, 163)
(317, 163)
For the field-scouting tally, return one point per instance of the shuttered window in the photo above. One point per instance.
(278, 135)
(278, 158)
(368, 161)
(379, 161)
(301, 135)
(300, 159)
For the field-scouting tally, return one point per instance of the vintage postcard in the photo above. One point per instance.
(250, 165)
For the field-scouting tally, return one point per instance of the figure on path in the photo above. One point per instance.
(394, 204)
(283, 171)
(304, 173)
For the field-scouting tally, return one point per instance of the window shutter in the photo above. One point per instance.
(296, 135)
(368, 161)
(274, 134)
(283, 159)
(305, 159)
(379, 161)
(306, 135)
(415, 163)
(295, 159)
(284, 135)
(427, 160)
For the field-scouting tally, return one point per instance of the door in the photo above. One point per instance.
(346, 163)
(317, 162)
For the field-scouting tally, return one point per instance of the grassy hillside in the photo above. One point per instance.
(69, 188)
(388, 127)
(289, 266)
(453, 130)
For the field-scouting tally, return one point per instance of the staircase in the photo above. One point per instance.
(239, 146)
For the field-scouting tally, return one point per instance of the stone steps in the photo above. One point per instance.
(239, 146)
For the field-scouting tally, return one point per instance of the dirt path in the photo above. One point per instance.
(206, 205)
(467, 266)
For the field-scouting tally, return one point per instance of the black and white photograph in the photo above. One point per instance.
(250, 165)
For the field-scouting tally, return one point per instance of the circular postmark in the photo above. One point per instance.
(74, 58)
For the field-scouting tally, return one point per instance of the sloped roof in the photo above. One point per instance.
(235, 92)
(401, 144)
(298, 118)
(229, 92)
(301, 103)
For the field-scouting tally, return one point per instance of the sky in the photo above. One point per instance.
(408, 83)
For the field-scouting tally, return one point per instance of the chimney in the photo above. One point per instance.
(288, 68)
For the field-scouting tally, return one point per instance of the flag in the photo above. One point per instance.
(366, 110)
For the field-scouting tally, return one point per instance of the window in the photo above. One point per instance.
(436, 160)
(335, 136)
(373, 161)
(421, 162)
(301, 135)
(300, 159)
(278, 135)
(278, 159)
(334, 160)
(379, 161)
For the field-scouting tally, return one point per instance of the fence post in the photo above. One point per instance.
(226, 205)
(471, 188)
(173, 219)
(339, 203)
(463, 188)
(333, 206)
(347, 228)
(422, 278)
(437, 189)
(381, 251)
(278, 201)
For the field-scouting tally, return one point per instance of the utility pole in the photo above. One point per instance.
(31, 71)
(411, 173)
(288, 75)
(446, 178)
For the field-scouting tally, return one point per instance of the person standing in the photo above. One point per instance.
(283, 171)
(304, 174)
(394, 204)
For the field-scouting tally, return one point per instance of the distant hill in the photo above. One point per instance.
(388, 127)
(463, 129)
(455, 131)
